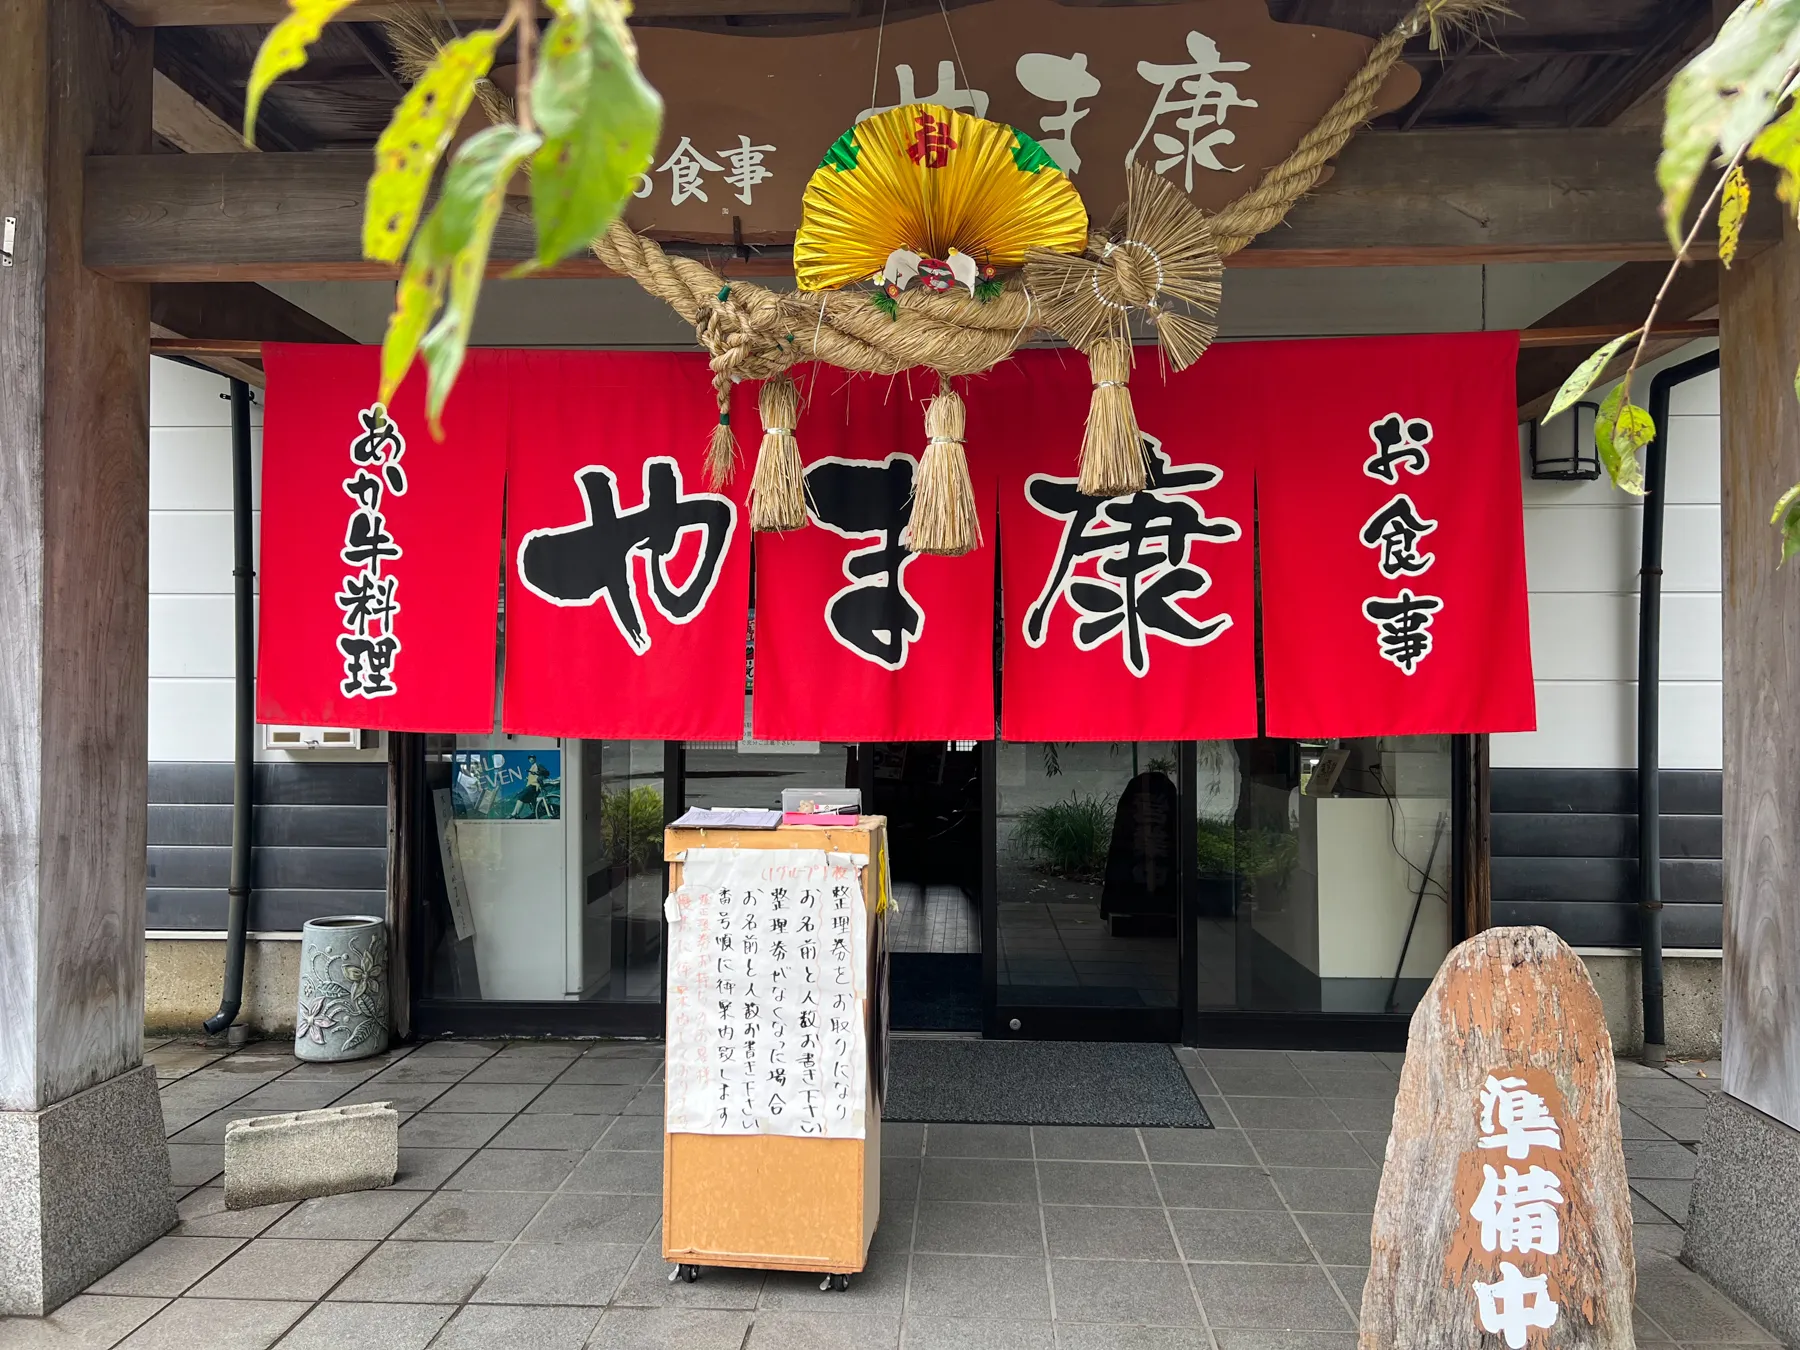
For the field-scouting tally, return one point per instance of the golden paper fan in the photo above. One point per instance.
(925, 180)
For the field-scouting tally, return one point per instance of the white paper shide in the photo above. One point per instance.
(768, 966)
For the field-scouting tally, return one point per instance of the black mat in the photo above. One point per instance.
(934, 991)
(1038, 1083)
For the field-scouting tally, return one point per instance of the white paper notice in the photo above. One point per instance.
(768, 970)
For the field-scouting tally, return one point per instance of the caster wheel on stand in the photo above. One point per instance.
(685, 1273)
(835, 1283)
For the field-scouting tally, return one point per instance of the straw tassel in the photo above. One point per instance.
(778, 488)
(1112, 450)
(944, 519)
(721, 450)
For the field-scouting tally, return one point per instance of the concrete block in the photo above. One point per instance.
(300, 1154)
(84, 1185)
(1744, 1231)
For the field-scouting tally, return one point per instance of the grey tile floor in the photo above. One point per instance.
(527, 1211)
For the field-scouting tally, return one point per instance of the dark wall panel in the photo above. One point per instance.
(1565, 854)
(319, 835)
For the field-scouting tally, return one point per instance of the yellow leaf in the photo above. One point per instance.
(1621, 429)
(1732, 209)
(449, 253)
(409, 149)
(1779, 144)
(284, 50)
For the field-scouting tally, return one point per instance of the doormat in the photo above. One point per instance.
(934, 991)
(1038, 1083)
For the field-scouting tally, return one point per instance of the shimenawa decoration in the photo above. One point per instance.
(943, 297)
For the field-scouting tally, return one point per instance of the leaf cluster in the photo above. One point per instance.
(1734, 101)
(595, 128)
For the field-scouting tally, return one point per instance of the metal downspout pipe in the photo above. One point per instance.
(244, 752)
(1649, 704)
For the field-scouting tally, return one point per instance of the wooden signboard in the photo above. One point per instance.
(1209, 92)
(782, 1201)
(1504, 1218)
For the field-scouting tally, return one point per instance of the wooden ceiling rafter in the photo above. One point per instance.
(1689, 26)
(205, 87)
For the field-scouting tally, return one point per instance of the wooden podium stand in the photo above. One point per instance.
(784, 1202)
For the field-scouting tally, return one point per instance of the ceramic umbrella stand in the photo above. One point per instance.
(343, 1012)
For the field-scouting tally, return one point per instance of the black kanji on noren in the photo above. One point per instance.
(869, 500)
(1396, 530)
(1141, 545)
(1398, 441)
(1404, 626)
(380, 444)
(368, 664)
(579, 564)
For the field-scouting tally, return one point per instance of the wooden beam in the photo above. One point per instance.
(234, 311)
(188, 124)
(1615, 304)
(1443, 197)
(199, 13)
(202, 353)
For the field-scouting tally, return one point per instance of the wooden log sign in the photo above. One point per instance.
(1504, 1218)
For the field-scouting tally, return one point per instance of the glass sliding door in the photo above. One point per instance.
(539, 885)
(1087, 889)
(1324, 872)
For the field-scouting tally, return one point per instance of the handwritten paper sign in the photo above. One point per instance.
(768, 967)
(1504, 1217)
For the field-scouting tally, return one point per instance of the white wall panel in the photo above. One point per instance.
(191, 552)
(190, 468)
(1583, 636)
(1693, 725)
(1693, 459)
(1598, 548)
(1585, 724)
(1581, 548)
(191, 719)
(184, 396)
(192, 635)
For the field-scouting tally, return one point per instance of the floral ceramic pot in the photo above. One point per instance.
(343, 1011)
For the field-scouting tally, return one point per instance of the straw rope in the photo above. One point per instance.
(753, 332)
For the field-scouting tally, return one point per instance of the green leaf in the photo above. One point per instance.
(409, 149)
(1787, 516)
(1779, 144)
(1724, 96)
(1621, 430)
(601, 121)
(448, 260)
(1586, 373)
(1733, 206)
(285, 49)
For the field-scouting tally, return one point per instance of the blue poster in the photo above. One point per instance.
(507, 785)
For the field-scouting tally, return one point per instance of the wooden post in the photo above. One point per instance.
(83, 1169)
(1741, 1231)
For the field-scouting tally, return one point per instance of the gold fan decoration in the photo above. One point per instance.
(926, 192)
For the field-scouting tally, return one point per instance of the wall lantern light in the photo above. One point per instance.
(1565, 450)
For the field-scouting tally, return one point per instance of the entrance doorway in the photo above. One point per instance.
(931, 793)
(1086, 911)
